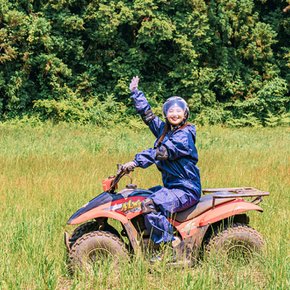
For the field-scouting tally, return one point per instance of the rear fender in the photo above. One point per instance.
(196, 228)
(226, 210)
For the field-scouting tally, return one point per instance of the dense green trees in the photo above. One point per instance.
(72, 60)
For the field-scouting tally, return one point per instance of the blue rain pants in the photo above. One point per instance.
(168, 202)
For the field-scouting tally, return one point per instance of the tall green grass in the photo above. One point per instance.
(48, 172)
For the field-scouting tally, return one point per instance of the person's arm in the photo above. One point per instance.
(144, 109)
(145, 158)
(182, 144)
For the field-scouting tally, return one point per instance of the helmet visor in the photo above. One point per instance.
(174, 103)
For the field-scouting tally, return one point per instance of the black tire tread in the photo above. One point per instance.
(75, 260)
(221, 236)
(90, 227)
(81, 230)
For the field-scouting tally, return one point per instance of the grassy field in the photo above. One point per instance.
(46, 173)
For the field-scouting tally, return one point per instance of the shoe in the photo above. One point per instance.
(155, 259)
(176, 242)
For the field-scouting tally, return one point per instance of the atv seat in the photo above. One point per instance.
(203, 205)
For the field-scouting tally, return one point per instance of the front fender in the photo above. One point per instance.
(226, 210)
(97, 213)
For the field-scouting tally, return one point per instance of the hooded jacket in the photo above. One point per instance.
(179, 170)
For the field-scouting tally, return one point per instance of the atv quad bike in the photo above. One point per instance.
(218, 222)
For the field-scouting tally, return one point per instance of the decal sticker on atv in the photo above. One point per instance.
(131, 206)
(115, 207)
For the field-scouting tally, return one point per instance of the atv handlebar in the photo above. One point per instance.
(120, 173)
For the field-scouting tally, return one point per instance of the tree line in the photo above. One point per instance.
(72, 60)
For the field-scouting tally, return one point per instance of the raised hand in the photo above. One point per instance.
(134, 83)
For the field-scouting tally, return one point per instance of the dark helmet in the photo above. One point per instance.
(175, 101)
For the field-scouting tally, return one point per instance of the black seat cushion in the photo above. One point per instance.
(203, 205)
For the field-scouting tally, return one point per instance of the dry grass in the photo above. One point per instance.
(46, 173)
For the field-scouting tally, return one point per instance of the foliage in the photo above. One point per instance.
(227, 58)
(73, 109)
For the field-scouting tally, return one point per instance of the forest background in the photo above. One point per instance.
(72, 61)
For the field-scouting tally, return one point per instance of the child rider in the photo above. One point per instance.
(175, 155)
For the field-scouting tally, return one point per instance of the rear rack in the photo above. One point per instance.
(236, 192)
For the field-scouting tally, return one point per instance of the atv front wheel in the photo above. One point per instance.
(93, 249)
(236, 242)
(90, 227)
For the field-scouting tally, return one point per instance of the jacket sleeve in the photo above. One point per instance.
(145, 158)
(182, 144)
(142, 106)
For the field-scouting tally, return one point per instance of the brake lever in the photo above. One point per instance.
(117, 178)
(120, 173)
(119, 169)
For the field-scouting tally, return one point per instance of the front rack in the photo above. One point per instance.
(235, 192)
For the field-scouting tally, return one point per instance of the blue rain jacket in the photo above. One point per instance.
(179, 171)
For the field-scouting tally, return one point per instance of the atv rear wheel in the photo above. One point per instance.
(237, 242)
(94, 249)
(90, 227)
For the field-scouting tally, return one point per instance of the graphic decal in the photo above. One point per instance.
(131, 206)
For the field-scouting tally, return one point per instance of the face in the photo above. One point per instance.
(175, 115)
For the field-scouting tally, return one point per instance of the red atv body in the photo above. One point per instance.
(217, 221)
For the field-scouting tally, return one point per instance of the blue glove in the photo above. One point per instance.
(134, 84)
